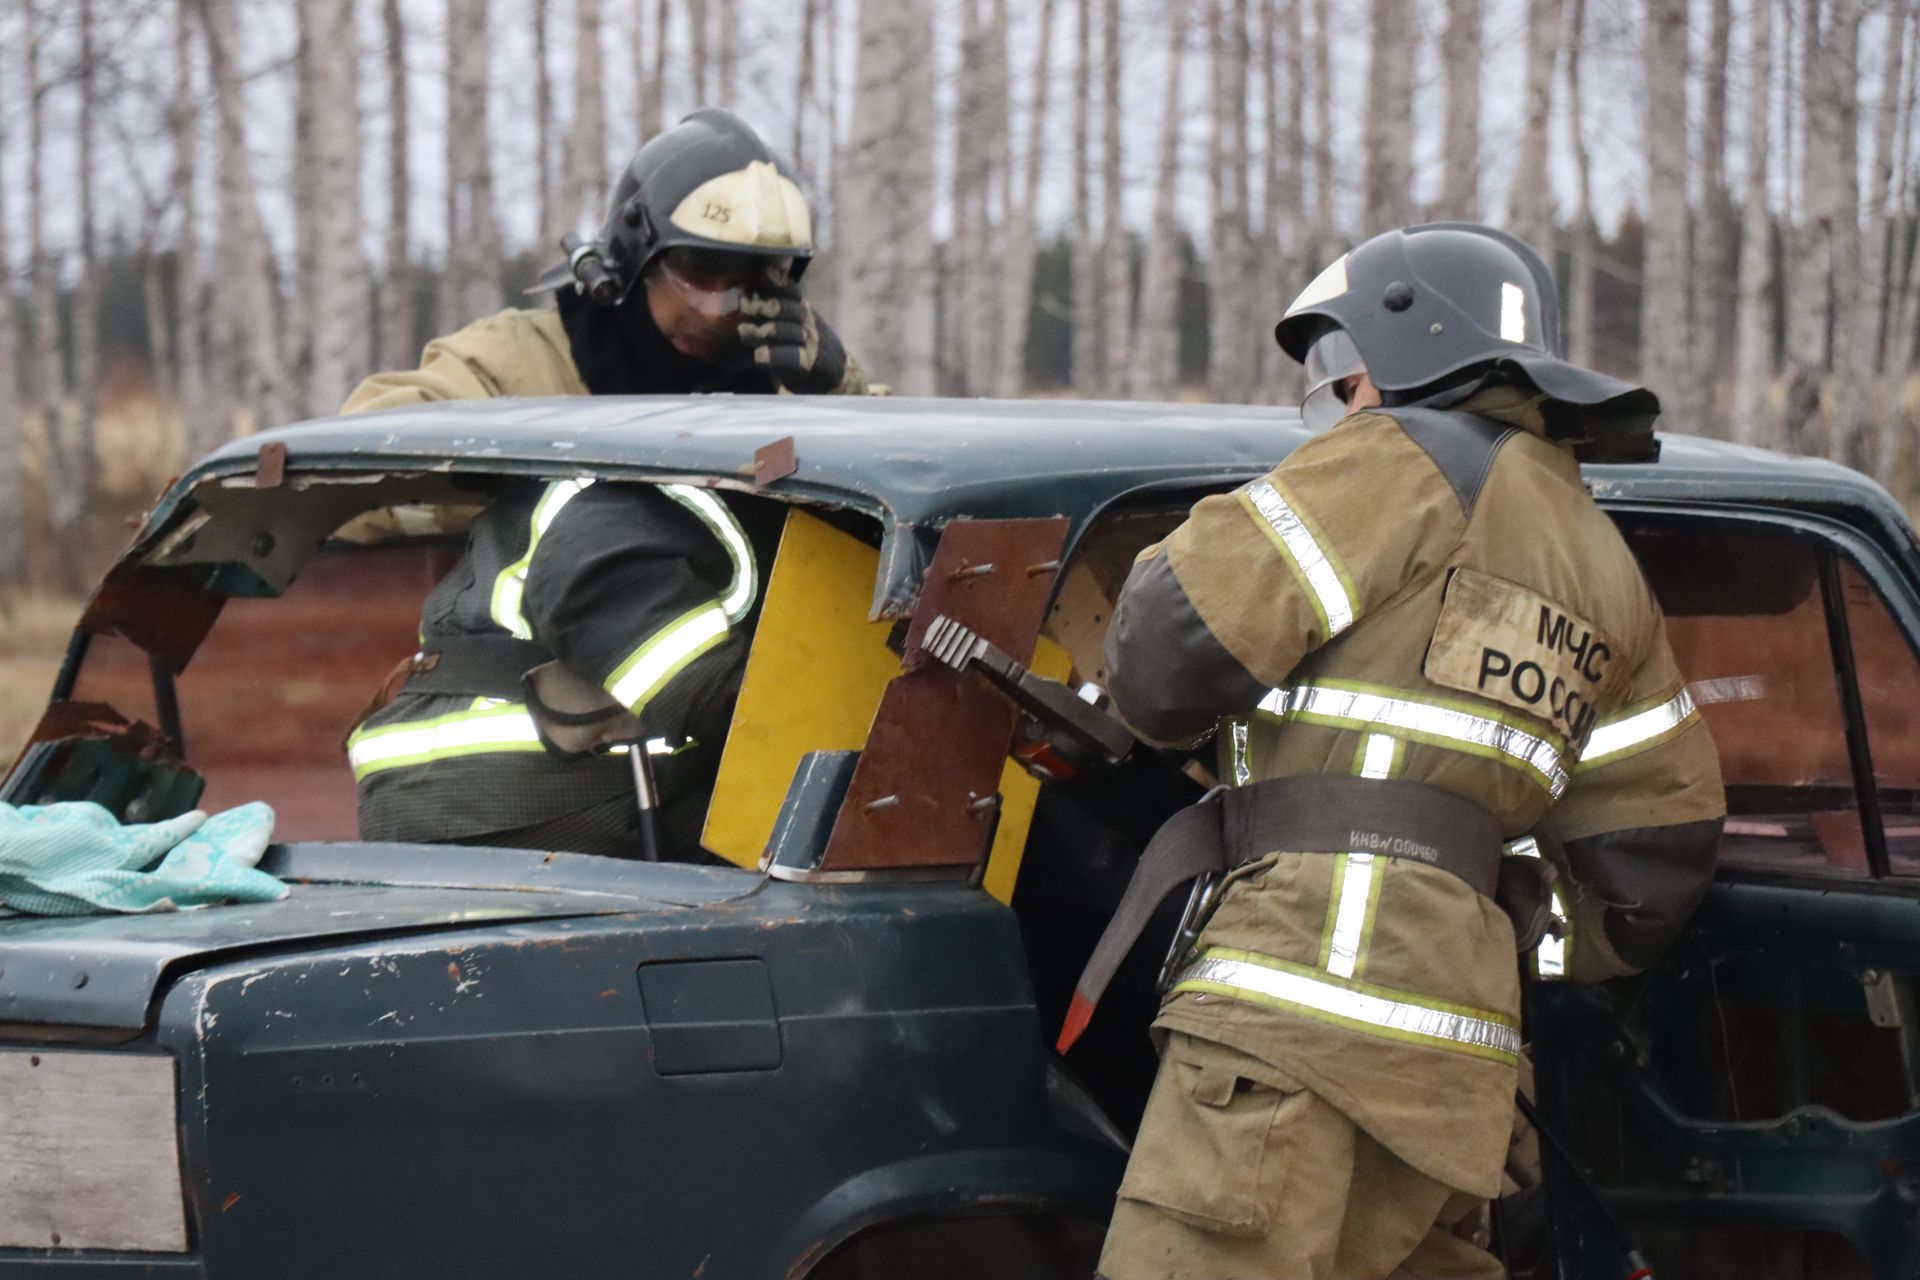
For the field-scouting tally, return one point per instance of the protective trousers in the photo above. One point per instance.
(1251, 1177)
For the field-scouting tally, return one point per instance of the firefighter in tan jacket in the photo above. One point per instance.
(1421, 615)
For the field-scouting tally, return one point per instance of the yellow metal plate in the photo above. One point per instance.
(813, 682)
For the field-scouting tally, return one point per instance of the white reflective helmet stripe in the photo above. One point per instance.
(665, 654)
(1513, 313)
(1329, 284)
(1622, 735)
(506, 727)
(738, 599)
(510, 585)
(1440, 725)
(1326, 584)
(1393, 1015)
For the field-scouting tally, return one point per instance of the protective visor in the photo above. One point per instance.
(1331, 360)
(717, 305)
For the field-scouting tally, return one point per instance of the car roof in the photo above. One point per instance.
(916, 463)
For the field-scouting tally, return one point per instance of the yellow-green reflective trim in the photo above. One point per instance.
(1314, 566)
(1358, 874)
(1358, 1006)
(507, 605)
(738, 598)
(1333, 912)
(665, 654)
(1373, 914)
(458, 733)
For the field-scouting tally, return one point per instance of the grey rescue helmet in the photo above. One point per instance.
(1437, 312)
(708, 184)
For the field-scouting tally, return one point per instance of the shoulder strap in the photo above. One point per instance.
(1462, 445)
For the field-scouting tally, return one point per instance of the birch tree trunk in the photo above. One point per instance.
(1810, 309)
(1580, 301)
(1850, 399)
(1234, 338)
(396, 288)
(1753, 340)
(1530, 200)
(886, 289)
(585, 188)
(1901, 304)
(337, 300)
(643, 120)
(1389, 124)
(657, 82)
(190, 386)
(1116, 290)
(547, 217)
(13, 533)
(1664, 340)
(1878, 262)
(1712, 264)
(965, 239)
(246, 317)
(1016, 295)
(297, 342)
(1460, 49)
(75, 457)
(804, 82)
(1087, 347)
(1155, 367)
(473, 229)
(1324, 234)
(995, 211)
(729, 40)
(699, 27)
(49, 381)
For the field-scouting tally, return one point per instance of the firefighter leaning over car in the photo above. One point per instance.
(589, 621)
(1422, 645)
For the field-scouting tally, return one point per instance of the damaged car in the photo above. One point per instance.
(827, 1054)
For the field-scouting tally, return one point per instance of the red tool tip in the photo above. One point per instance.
(1079, 1013)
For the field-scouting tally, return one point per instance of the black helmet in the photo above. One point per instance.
(1433, 309)
(709, 183)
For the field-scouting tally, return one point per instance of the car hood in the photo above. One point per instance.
(104, 972)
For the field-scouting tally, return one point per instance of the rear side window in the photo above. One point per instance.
(1747, 620)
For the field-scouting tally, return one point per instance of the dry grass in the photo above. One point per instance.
(35, 626)
(23, 696)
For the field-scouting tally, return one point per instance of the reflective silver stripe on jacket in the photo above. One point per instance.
(1623, 734)
(1264, 980)
(1315, 564)
(665, 654)
(510, 586)
(1362, 709)
(738, 600)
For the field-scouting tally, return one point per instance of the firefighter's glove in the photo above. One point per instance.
(785, 336)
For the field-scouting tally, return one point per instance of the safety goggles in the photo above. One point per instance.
(1331, 360)
(714, 295)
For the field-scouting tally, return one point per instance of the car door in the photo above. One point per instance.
(1751, 1106)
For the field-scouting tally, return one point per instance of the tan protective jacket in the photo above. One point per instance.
(1432, 596)
(514, 353)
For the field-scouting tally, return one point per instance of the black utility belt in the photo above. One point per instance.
(480, 666)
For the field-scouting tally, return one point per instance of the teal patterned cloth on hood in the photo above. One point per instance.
(78, 859)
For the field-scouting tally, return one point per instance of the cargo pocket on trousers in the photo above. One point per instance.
(1205, 1143)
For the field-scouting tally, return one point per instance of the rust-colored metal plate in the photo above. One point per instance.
(271, 467)
(164, 611)
(774, 461)
(924, 792)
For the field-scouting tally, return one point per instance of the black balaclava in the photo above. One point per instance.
(621, 352)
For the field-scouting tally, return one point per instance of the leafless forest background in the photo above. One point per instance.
(218, 214)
